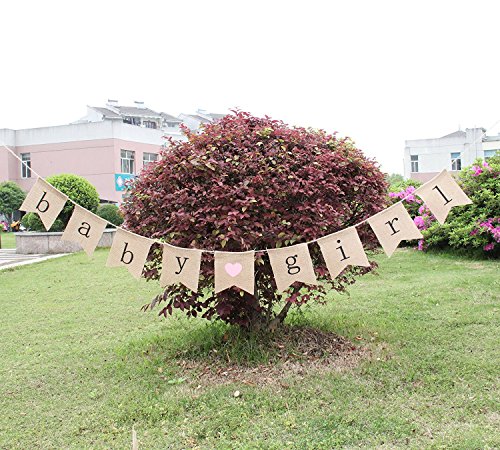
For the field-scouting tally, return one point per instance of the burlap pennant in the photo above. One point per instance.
(441, 194)
(129, 250)
(342, 249)
(180, 265)
(45, 200)
(291, 264)
(392, 226)
(85, 229)
(234, 269)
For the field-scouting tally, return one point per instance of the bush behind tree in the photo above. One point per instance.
(78, 189)
(111, 213)
(248, 183)
(11, 199)
(475, 226)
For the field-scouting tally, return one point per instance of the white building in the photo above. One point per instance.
(425, 158)
(138, 115)
(195, 121)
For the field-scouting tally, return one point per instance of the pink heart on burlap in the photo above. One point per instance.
(233, 269)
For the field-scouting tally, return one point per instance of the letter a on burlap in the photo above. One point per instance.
(85, 229)
(292, 264)
(343, 249)
(180, 265)
(441, 194)
(46, 201)
(129, 250)
(234, 269)
(392, 226)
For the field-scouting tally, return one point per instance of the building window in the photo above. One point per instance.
(414, 163)
(26, 168)
(132, 120)
(149, 124)
(490, 153)
(456, 161)
(171, 124)
(128, 160)
(148, 158)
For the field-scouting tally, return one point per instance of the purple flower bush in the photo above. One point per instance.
(470, 227)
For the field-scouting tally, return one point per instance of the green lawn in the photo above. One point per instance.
(8, 240)
(80, 365)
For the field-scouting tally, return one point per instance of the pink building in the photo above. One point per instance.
(105, 152)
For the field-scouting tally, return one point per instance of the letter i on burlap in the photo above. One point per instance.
(46, 201)
(84, 228)
(343, 249)
(129, 250)
(292, 264)
(441, 194)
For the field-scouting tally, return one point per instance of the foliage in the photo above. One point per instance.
(78, 189)
(393, 178)
(253, 183)
(111, 213)
(11, 198)
(405, 190)
(475, 226)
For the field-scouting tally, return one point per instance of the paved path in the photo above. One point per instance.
(9, 258)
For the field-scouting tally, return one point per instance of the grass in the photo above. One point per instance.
(8, 240)
(81, 365)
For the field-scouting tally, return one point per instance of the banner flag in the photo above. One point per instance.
(393, 225)
(129, 250)
(85, 229)
(291, 264)
(234, 269)
(180, 265)
(342, 249)
(441, 194)
(45, 200)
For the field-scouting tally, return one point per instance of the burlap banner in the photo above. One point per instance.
(292, 264)
(129, 250)
(342, 249)
(441, 194)
(234, 269)
(45, 200)
(85, 229)
(392, 226)
(180, 265)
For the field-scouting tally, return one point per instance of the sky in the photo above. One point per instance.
(379, 72)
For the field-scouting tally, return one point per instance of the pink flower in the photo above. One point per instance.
(421, 245)
(419, 222)
(473, 232)
(393, 194)
(489, 247)
(486, 165)
(477, 170)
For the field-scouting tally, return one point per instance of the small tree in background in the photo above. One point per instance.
(111, 213)
(253, 183)
(78, 189)
(11, 198)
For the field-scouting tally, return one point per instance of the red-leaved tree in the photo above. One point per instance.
(249, 183)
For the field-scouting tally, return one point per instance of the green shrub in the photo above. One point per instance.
(77, 189)
(11, 198)
(110, 213)
(475, 226)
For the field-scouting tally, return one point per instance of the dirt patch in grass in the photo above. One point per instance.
(293, 351)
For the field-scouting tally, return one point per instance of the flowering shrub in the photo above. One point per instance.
(252, 183)
(475, 226)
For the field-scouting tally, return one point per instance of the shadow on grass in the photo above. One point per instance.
(218, 352)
